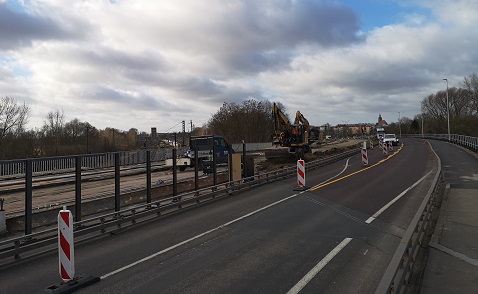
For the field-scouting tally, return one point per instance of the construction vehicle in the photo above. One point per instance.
(289, 138)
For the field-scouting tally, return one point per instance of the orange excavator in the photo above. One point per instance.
(289, 138)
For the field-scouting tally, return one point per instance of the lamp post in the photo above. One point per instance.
(447, 110)
(422, 125)
(399, 126)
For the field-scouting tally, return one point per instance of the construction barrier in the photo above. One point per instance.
(66, 250)
(364, 156)
(301, 173)
(385, 149)
(390, 146)
(371, 144)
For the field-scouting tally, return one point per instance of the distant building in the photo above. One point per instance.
(381, 122)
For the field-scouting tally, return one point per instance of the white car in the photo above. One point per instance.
(390, 138)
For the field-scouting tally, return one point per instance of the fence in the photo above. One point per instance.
(468, 142)
(51, 165)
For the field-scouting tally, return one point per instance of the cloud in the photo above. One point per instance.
(22, 29)
(145, 63)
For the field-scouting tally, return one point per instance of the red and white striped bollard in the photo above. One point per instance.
(301, 173)
(364, 156)
(66, 250)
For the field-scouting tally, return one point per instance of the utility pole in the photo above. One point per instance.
(399, 126)
(447, 110)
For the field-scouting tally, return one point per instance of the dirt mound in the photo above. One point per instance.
(291, 159)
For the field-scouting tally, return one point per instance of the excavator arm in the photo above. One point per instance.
(301, 120)
(281, 125)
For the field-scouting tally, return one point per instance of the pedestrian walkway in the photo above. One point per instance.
(452, 265)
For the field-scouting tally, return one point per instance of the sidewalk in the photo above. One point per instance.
(452, 265)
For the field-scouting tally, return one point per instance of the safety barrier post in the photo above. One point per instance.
(66, 258)
(364, 156)
(371, 144)
(301, 173)
(66, 251)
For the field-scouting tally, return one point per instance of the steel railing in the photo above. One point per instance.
(467, 142)
(399, 270)
(107, 223)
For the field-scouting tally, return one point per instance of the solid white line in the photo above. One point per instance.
(208, 232)
(375, 215)
(454, 253)
(314, 271)
(194, 238)
(328, 180)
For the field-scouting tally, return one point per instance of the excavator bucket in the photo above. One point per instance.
(276, 151)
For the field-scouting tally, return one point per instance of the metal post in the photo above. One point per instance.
(422, 125)
(28, 196)
(175, 173)
(399, 126)
(87, 140)
(243, 159)
(77, 188)
(148, 176)
(196, 169)
(447, 110)
(229, 166)
(117, 183)
(214, 170)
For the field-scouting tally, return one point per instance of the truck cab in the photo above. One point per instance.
(204, 146)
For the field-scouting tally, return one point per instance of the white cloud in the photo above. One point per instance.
(149, 64)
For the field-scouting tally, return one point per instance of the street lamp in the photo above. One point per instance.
(422, 125)
(399, 126)
(447, 110)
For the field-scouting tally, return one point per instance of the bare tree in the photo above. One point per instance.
(13, 118)
(53, 128)
(250, 121)
(471, 85)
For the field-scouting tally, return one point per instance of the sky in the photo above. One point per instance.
(139, 64)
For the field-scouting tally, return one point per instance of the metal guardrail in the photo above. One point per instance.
(468, 142)
(108, 223)
(399, 270)
(49, 165)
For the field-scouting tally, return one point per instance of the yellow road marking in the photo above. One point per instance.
(359, 171)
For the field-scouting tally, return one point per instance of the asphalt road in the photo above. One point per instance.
(334, 237)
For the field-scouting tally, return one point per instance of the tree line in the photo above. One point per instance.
(56, 137)
(462, 111)
(250, 121)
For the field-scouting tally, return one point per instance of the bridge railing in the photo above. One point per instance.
(135, 214)
(58, 164)
(399, 271)
(467, 142)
